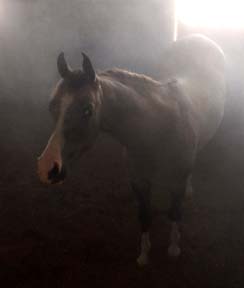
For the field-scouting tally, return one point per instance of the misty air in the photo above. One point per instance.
(122, 139)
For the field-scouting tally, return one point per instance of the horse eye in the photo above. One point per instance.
(87, 110)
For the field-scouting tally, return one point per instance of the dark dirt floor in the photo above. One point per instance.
(85, 233)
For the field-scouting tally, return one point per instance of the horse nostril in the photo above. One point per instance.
(55, 175)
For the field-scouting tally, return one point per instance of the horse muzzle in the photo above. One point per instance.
(54, 175)
(57, 175)
(50, 167)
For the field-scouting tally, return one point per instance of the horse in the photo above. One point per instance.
(162, 125)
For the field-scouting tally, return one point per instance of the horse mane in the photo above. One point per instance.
(131, 78)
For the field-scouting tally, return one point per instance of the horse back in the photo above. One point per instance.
(198, 66)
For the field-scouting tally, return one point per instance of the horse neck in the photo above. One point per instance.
(118, 100)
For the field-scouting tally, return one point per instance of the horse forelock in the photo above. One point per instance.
(77, 80)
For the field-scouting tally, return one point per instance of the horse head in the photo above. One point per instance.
(75, 106)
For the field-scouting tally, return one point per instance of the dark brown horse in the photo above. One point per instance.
(162, 125)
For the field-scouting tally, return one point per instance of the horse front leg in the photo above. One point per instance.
(175, 216)
(143, 197)
(189, 188)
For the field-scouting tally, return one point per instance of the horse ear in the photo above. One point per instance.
(88, 68)
(63, 68)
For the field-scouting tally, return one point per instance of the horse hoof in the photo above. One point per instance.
(142, 261)
(174, 251)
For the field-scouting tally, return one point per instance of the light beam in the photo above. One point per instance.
(211, 13)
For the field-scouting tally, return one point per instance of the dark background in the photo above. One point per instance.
(85, 232)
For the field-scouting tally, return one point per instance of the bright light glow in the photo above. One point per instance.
(211, 13)
(1, 10)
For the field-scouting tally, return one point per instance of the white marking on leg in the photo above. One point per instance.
(142, 260)
(174, 249)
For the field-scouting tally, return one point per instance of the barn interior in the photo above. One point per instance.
(85, 232)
